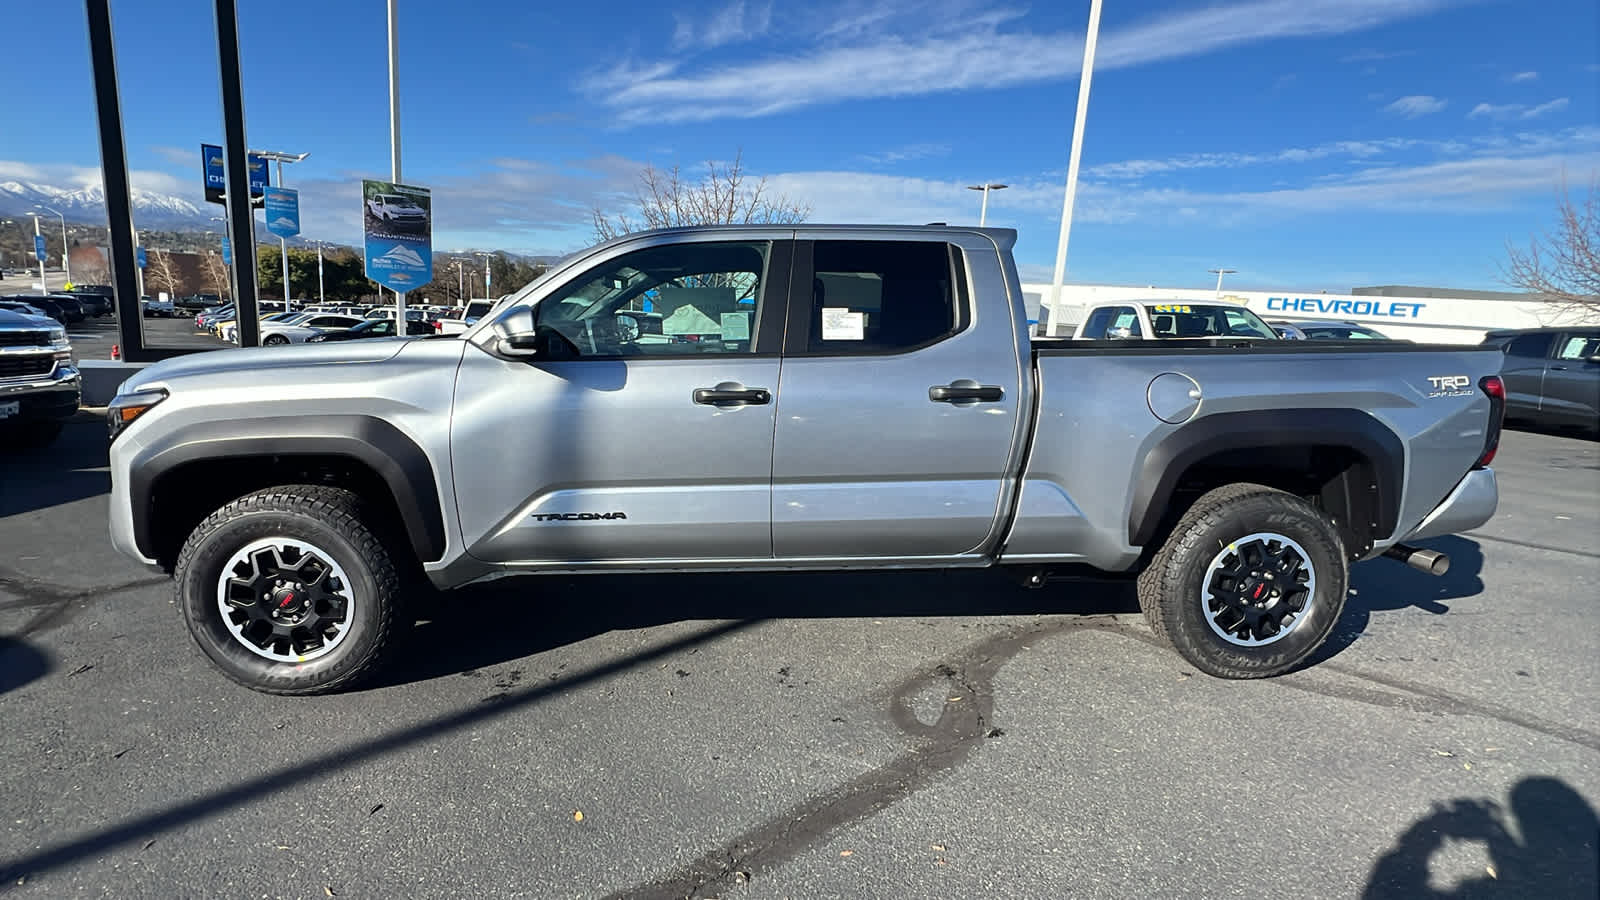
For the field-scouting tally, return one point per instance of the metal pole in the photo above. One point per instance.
(138, 270)
(322, 295)
(44, 286)
(394, 134)
(1219, 272)
(114, 171)
(1072, 165)
(283, 245)
(236, 175)
(983, 212)
(461, 282)
(66, 261)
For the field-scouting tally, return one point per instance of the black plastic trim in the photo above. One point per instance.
(402, 465)
(1157, 477)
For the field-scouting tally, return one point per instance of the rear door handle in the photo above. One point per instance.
(724, 397)
(965, 393)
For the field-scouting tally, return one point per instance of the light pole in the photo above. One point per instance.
(1089, 39)
(1219, 272)
(322, 295)
(43, 286)
(461, 281)
(394, 136)
(66, 261)
(486, 258)
(986, 187)
(283, 244)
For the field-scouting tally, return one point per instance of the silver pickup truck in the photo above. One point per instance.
(825, 398)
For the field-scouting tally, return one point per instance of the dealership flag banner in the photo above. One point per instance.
(398, 220)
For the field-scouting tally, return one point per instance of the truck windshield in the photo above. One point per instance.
(1196, 320)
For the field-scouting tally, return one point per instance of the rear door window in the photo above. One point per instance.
(881, 296)
(1579, 346)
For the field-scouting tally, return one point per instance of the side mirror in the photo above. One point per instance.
(627, 328)
(1118, 334)
(514, 335)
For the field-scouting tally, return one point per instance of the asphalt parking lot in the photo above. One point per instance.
(920, 735)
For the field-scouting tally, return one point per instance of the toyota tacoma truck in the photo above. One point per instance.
(39, 385)
(816, 398)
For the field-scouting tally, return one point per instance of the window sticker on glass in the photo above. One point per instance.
(840, 324)
(736, 326)
(1171, 308)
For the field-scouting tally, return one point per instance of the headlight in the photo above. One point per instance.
(124, 408)
(58, 337)
(316, 339)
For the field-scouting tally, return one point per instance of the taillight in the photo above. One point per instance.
(1496, 390)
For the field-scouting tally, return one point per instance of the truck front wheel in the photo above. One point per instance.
(1249, 584)
(290, 590)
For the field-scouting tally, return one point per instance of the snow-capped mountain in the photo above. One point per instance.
(88, 206)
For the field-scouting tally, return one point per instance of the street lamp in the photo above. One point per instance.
(322, 295)
(1074, 155)
(486, 258)
(1219, 272)
(986, 187)
(280, 158)
(66, 262)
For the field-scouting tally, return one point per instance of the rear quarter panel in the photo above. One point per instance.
(1095, 428)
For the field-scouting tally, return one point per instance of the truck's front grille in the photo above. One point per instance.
(23, 366)
(24, 338)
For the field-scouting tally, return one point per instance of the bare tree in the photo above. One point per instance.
(163, 272)
(1563, 264)
(216, 273)
(725, 195)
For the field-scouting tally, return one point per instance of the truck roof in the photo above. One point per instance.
(1004, 237)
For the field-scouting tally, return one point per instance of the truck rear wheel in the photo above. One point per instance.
(1249, 584)
(290, 591)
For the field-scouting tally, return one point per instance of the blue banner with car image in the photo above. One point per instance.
(398, 224)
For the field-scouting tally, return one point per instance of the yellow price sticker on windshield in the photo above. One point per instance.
(1172, 308)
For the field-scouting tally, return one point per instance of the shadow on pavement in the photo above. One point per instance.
(70, 468)
(1387, 585)
(20, 664)
(483, 626)
(1544, 845)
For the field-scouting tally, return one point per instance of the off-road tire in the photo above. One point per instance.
(335, 521)
(1171, 588)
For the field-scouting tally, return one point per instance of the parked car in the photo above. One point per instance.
(23, 307)
(94, 303)
(44, 304)
(153, 307)
(371, 464)
(204, 319)
(303, 326)
(372, 328)
(1297, 329)
(1172, 320)
(71, 307)
(1552, 375)
(39, 386)
(413, 313)
(196, 303)
(397, 211)
(230, 330)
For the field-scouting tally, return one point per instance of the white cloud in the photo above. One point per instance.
(735, 23)
(1416, 105)
(178, 155)
(1371, 56)
(1519, 77)
(906, 154)
(1140, 168)
(935, 57)
(1517, 110)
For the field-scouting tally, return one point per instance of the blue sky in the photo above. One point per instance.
(1310, 144)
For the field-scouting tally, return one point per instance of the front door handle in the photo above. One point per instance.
(726, 397)
(965, 393)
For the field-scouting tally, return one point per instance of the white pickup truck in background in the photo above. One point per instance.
(475, 310)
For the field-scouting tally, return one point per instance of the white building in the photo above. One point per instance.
(1430, 315)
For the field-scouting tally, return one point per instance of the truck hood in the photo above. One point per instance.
(306, 358)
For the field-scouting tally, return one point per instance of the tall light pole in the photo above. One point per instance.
(43, 285)
(66, 253)
(986, 187)
(283, 244)
(461, 281)
(1089, 39)
(394, 135)
(1219, 273)
(486, 258)
(322, 295)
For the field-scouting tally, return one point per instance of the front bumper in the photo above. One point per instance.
(1471, 504)
(47, 398)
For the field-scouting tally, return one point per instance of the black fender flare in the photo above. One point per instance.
(1156, 478)
(382, 447)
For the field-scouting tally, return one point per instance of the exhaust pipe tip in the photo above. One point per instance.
(1430, 561)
